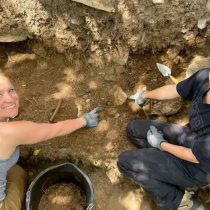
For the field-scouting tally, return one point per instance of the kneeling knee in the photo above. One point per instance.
(120, 160)
(123, 161)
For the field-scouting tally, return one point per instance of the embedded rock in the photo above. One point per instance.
(169, 107)
(202, 23)
(208, 6)
(110, 78)
(158, 1)
(107, 5)
(120, 96)
(120, 56)
(12, 38)
(37, 48)
(109, 70)
(197, 65)
(120, 70)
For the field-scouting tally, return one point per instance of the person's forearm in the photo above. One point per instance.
(69, 126)
(179, 151)
(163, 93)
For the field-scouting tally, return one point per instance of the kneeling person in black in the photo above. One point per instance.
(170, 155)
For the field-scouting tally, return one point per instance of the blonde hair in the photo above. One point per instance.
(2, 73)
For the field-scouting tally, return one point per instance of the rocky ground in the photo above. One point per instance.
(97, 55)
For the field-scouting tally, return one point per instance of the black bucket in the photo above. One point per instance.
(66, 172)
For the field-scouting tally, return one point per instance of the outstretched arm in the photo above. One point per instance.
(163, 93)
(26, 132)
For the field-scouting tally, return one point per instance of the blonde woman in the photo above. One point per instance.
(12, 134)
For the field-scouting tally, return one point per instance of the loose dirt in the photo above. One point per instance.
(63, 196)
(42, 81)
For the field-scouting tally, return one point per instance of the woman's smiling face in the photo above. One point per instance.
(9, 99)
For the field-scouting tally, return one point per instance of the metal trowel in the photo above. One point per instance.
(166, 71)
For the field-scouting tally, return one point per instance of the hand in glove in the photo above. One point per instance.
(91, 118)
(155, 137)
(137, 97)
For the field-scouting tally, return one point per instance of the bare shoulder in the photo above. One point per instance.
(7, 139)
(9, 127)
(9, 132)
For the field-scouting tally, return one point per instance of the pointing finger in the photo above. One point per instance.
(94, 110)
(132, 97)
(95, 115)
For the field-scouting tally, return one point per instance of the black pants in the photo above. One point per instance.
(158, 172)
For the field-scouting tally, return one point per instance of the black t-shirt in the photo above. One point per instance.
(198, 138)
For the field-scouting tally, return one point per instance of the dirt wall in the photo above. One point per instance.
(136, 25)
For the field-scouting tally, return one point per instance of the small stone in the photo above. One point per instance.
(38, 49)
(161, 118)
(120, 56)
(158, 1)
(109, 70)
(140, 87)
(88, 100)
(110, 78)
(120, 96)
(197, 66)
(117, 115)
(64, 26)
(85, 96)
(134, 107)
(107, 6)
(202, 23)
(91, 74)
(62, 149)
(184, 30)
(106, 164)
(97, 162)
(175, 3)
(12, 38)
(120, 70)
(173, 53)
(76, 20)
(30, 173)
(208, 6)
(188, 104)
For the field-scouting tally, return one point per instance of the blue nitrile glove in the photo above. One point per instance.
(137, 97)
(91, 118)
(155, 137)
